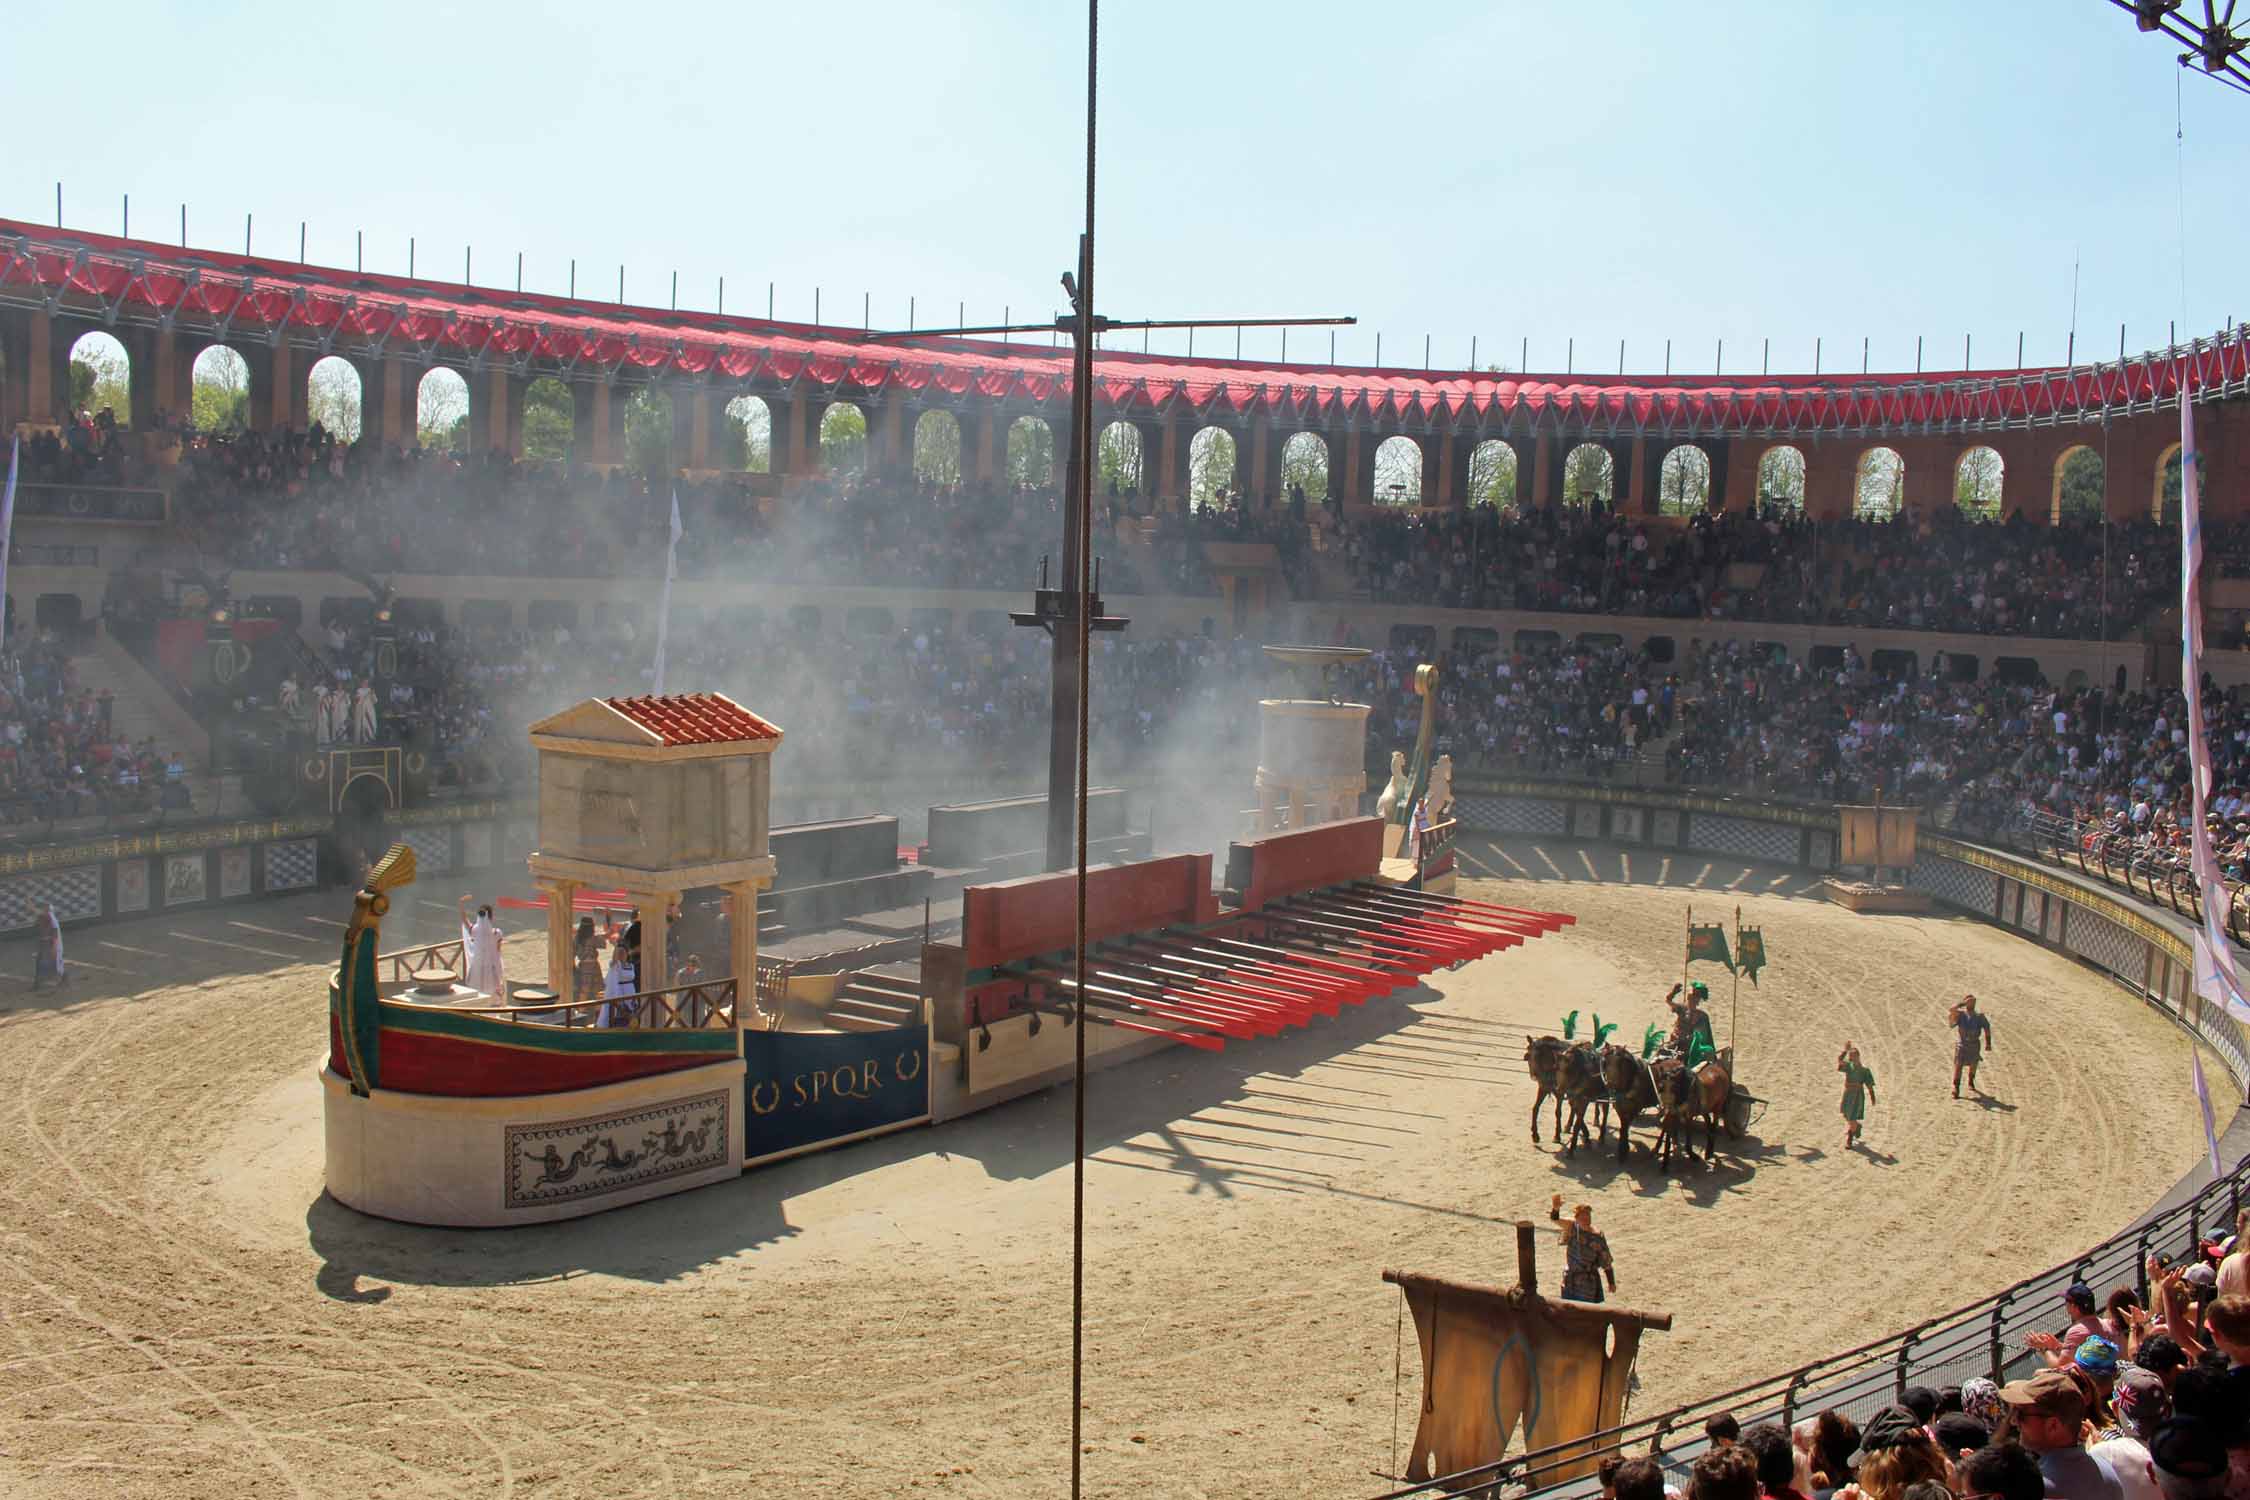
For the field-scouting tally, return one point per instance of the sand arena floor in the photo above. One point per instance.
(185, 1315)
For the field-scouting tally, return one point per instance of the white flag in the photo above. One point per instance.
(2203, 1100)
(2215, 977)
(664, 608)
(8, 526)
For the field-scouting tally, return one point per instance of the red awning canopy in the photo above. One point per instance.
(142, 281)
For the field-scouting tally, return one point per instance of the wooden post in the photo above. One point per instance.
(1735, 1006)
(561, 962)
(1527, 1257)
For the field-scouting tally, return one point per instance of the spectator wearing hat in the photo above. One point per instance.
(1958, 1435)
(1895, 1454)
(1980, 1398)
(2049, 1411)
(2189, 1460)
(2001, 1471)
(2141, 1405)
(2085, 1323)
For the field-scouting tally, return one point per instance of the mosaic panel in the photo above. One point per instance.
(1513, 814)
(1586, 820)
(2052, 932)
(1954, 883)
(293, 865)
(184, 878)
(1664, 828)
(476, 846)
(589, 1158)
(132, 885)
(76, 894)
(234, 873)
(1823, 849)
(1767, 841)
(1626, 824)
(433, 849)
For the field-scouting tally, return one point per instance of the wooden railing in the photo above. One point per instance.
(399, 967)
(708, 1006)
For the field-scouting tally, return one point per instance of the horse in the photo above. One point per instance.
(1703, 1097)
(1631, 1090)
(1545, 1057)
(1580, 1082)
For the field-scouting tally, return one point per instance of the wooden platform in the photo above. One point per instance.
(1857, 895)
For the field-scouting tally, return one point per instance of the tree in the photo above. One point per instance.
(1882, 473)
(843, 439)
(1398, 472)
(219, 391)
(747, 441)
(1976, 484)
(1117, 455)
(1683, 485)
(1781, 478)
(332, 392)
(1031, 454)
(548, 420)
(1492, 474)
(648, 432)
(1304, 463)
(101, 378)
(441, 412)
(1210, 465)
(2085, 487)
(1588, 475)
(937, 448)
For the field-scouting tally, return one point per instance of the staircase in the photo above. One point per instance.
(879, 999)
(141, 708)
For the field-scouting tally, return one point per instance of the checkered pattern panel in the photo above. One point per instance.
(1513, 814)
(76, 893)
(1664, 828)
(1768, 841)
(433, 848)
(2103, 942)
(1823, 850)
(1586, 820)
(1954, 883)
(293, 865)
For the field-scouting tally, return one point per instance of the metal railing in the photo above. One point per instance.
(1983, 1338)
(2124, 860)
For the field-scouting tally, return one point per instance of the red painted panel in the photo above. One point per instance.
(1305, 859)
(415, 1063)
(1015, 919)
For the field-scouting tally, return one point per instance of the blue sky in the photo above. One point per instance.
(1588, 172)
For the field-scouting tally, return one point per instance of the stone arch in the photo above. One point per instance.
(334, 397)
(937, 447)
(1304, 462)
(1398, 471)
(101, 377)
(441, 411)
(748, 435)
(1977, 479)
(843, 438)
(550, 420)
(1117, 459)
(648, 430)
(2081, 489)
(219, 390)
(1589, 475)
(1211, 455)
(2164, 496)
(1781, 477)
(1683, 482)
(1494, 472)
(1878, 485)
(1031, 453)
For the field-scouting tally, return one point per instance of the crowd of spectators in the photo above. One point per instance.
(305, 499)
(60, 753)
(88, 449)
(2125, 1401)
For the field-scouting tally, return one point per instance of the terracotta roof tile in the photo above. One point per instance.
(695, 718)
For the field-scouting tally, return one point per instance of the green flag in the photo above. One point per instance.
(1750, 952)
(1708, 945)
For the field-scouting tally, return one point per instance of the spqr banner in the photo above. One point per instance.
(808, 1089)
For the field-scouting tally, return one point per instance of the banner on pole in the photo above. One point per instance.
(1708, 945)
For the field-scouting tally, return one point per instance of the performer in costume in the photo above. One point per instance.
(586, 962)
(1691, 1025)
(480, 952)
(1586, 1258)
(290, 694)
(1859, 1092)
(47, 962)
(363, 714)
(1972, 1035)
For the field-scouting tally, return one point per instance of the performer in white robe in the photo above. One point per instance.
(290, 694)
(480, 952)
(616, 1011)
(325, 714)
(363, 714)
(47, 965)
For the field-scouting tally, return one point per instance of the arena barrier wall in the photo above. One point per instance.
(2136, 947)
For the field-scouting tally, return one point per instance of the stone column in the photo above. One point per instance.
(700, 407)
(496, 412)
(1167, 487)
(288, 388)
(1445, 493)
(742, 958)
(40, 404)
(984, 433)
(394, 405)
(1345, 485)
(560, 914)
(656, 924)
(1543, 470)
(608, 417)
(1639, 491)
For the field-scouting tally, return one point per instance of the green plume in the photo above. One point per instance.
(1570, 1025)
(1653, 1038)
(1601, 1032)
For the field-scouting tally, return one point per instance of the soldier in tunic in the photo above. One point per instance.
(1859, 1092)
(1972, 1035)
(1586, 1258)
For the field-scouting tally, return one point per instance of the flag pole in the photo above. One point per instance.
(1734, 1006)
(1687, 946)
